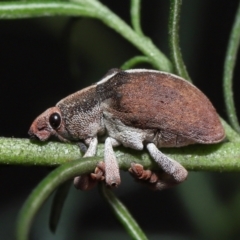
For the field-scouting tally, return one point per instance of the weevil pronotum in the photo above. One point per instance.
(136, 108)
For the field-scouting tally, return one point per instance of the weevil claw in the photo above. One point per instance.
(99, 172)
(138, 172)
(153, 180)
(88, 181)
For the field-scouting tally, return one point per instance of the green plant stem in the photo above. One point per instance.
(122, 214)
(23, 151)
(176, 56)
(136, 16)
(134, 61)
(87, 8)
(229, 64)
(216, 157)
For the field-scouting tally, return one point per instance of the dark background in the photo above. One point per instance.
(43, 60)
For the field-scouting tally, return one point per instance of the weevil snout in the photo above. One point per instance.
(46, 124)
(32, 135)
(39, 133)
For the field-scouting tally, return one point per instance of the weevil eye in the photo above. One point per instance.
(55, 120)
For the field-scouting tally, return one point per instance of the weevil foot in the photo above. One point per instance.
(153, 180)
(99, 173)
(143, 176)
(138, 172)
(88, 181)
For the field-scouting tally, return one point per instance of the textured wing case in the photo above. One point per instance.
(156, 100)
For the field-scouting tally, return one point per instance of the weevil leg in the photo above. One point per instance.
(92, 148)
(172, 168)
(108, 170)
(83, 147)
(86, 181)
(112, 175)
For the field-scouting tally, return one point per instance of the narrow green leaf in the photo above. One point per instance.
(22, 9)
(135, 10)
(122, 214)
(176, 55)
(229, 64)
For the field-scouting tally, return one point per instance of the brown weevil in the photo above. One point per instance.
(135, 108)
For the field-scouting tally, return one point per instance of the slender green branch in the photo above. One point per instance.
(23, 151)
(134, 61)
(136, 16)
(20, 9)
(87, 8)
(229, 64)
(176, 55)
(122, 214)
(216, 157)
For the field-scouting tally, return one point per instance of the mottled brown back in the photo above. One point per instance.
(156, 100)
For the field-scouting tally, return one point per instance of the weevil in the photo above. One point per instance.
(135, 108)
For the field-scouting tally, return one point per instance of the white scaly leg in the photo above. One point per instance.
(84, 182)
(168, 165)
(112, 175)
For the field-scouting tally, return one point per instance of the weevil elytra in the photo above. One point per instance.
(135, 108)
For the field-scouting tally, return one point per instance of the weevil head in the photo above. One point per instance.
(49, 123)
